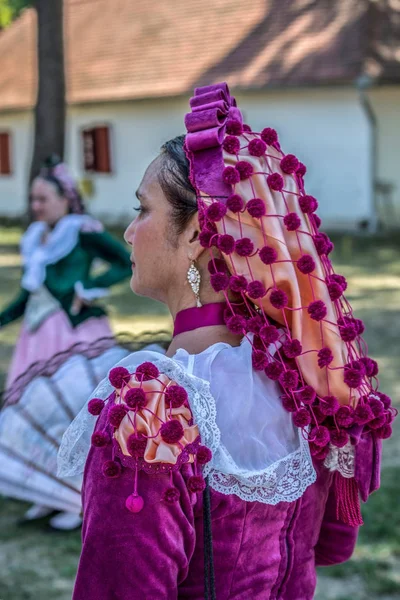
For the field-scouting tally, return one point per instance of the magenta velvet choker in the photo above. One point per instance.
(205, 316)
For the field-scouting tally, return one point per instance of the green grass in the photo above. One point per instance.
(36, 563)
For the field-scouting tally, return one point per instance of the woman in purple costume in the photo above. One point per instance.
(234, 465)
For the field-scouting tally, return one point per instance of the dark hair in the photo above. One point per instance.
(175, 182)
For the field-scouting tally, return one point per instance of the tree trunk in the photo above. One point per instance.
(50, 105)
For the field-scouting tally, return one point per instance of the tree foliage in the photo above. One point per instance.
(10, 9)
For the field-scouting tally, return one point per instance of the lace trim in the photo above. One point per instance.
(342, 460)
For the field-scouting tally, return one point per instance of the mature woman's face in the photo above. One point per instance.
(159, 261)
(46, 203)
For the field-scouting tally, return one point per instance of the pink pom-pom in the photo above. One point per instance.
(334, 290)
(317, 310)
(175, 396)
(289, 164)
(273, 371)
(319, 453)
(289, 404)
(204, 455)
(301, 170)
(118, 376)
(352, 377)
(279, 299)
(100, 439)
(196, 484)
(378, 422)
(134, 503)
(339, 437)
(219, 282)
(268, 255)
(339, 279)
(301, 418)
(246, 128)
(111, 469)
(289, 379)
(292, 221)
(325, 357)
(136, 445)
(95, 406)
(345, 416)
(322, 243)
(320, 436)
(269, 136)
(231, 144)
(216, 211)
(245, 169)
(308, 204)
(259, 360)
(275, 182)
(226, 243)
(147, 371)
(306, 264)
(269, 334)
(234, 127)
(238, 283)
(236, 324)
(257, 147)
(385, 399)
(307, 395)
(377, 407)
(371, 366)
(244, 247)
(359, 326)
(254, 324)
(235, 203)
(292, 348)
(171, 495)
(171, 431)
(329, 405)
(384, 432)
(216, 265)
(205, 238)
(116, 414)
(256, 208)
(135, 399)
(348, 332)
(363, 414)
(230, 175)
(256, 289)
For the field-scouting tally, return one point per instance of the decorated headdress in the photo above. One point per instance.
(254, 210)
(56, 171)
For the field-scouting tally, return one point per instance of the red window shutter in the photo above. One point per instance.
(5, 154)
(89, 158)
(102, 149)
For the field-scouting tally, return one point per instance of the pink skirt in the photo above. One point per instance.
(55, 335)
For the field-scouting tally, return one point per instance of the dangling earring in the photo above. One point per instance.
(193, 277)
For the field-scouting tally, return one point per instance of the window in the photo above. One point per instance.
(5, 153)
(96, 149)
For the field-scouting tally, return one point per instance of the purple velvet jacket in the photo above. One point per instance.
(261, 552)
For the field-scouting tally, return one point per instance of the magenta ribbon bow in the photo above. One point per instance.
(212, 107)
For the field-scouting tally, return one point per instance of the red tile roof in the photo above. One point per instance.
(126, 49)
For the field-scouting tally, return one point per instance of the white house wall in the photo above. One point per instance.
(327, 129)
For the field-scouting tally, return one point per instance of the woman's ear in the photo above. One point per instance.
(192, 238)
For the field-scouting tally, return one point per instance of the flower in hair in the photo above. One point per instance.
(269, 136)
(278, 299)
(100, 439)
(226, 243)
(234, 127)
(268, 255)
(256, 208)
(230, 175)
(95, 406)
(292, 221)
(219, 282)
(116, 414)
(289, 379)
(259, 360)
(301, 418)
(231, 144)
(257, 147)
(196, 484)
(329, 405)
(171, 495)
(136, 445)
(306, 264)
(244, 247)
(171, 431)
(292, 349)
(236, 324)
(269, 334)
(275, 182)
(317, 310)
(147, 371)
(235, 203)
(273, 370)
(216, 211)
(111, 469)
(175, 396)
(339, 437)
(289, 164)
(245, 169)
(256, 289)
(325, 357)
(118, 376)
(308, 204)
(238, 283)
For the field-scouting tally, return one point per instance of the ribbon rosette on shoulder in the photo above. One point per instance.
(280, 287)
(150, 425)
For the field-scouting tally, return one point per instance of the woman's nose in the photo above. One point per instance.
(129, 233)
